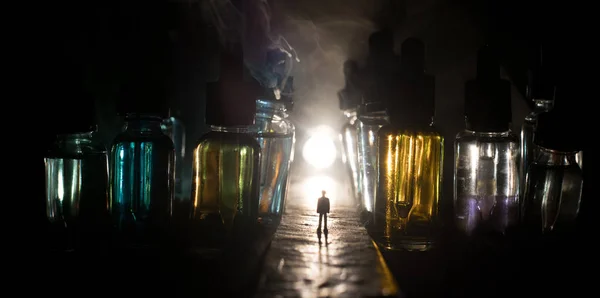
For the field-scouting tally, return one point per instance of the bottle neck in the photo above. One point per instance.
(74, 143)
(555, 158)
(270, 109)
(83, 138)
(231, 129)
(143, 123)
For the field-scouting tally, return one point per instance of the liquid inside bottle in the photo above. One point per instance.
(142, 181)
(410, 169)
(225, 180)
(553, 192)
(486, 182)
(369, 124)
(76, 191)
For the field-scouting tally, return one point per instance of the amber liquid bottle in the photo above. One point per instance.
(410, 160)
(226, 162)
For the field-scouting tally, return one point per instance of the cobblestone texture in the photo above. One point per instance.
(346, 264)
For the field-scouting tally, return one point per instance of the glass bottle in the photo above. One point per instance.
(541, 91)
(527, 148)
(76, 188)
(226, 162)
(375, 81)
(486, 177)
(174, 128)
(372, 116)
(350, 98)
(554, 180)
(275, 134)
(142, 180)
(410, 160)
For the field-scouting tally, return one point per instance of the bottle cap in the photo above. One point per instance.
(75, 112)
(287, 94)
(349, 97)
(413, 101)
(231, 100)
(376, 78)
(558, 129)
(144, 94)
(487, 98)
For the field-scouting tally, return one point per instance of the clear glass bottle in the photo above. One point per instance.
(175, 129)
(350, 98)
(410, 160)
(541, 92)
(527, 148)
(275, 134)
(226, 163)
(486, 173)
(142, 180)
(76, 189)
(372, 116)
(375, 82)
(554, 180)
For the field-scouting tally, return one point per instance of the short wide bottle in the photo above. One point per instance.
(410, 177)
(142, 181)
(225, 177)
(76, 190)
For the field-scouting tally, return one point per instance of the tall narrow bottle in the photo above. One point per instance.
(541, 91)
(76, 188)
(142, 180)
(226, 164)
(350, 98)
(410, 160)
(372, 115)
(554, 180)
(275, 134)
(173, 127)
(486, 173)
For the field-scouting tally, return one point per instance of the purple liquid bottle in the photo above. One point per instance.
(486, 173)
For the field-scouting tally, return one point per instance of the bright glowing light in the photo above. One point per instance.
(319, 150)
(313, 186)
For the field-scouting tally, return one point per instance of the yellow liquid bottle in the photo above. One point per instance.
(410, 163)
(225, 176)
(410, 159)
(226, 163)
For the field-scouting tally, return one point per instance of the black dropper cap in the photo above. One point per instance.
(145, 93)
(414, 102)
(381, 63)
(381, 43)
(349, 97)
(559, 128)
(540, 83)
(287, 94)
(75, 112)
(231, 100)
(487, 98)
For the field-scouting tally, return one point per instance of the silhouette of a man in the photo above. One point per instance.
(323, 209)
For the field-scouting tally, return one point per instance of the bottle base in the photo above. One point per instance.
(407, 244)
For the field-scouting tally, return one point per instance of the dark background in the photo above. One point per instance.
(88, 52)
